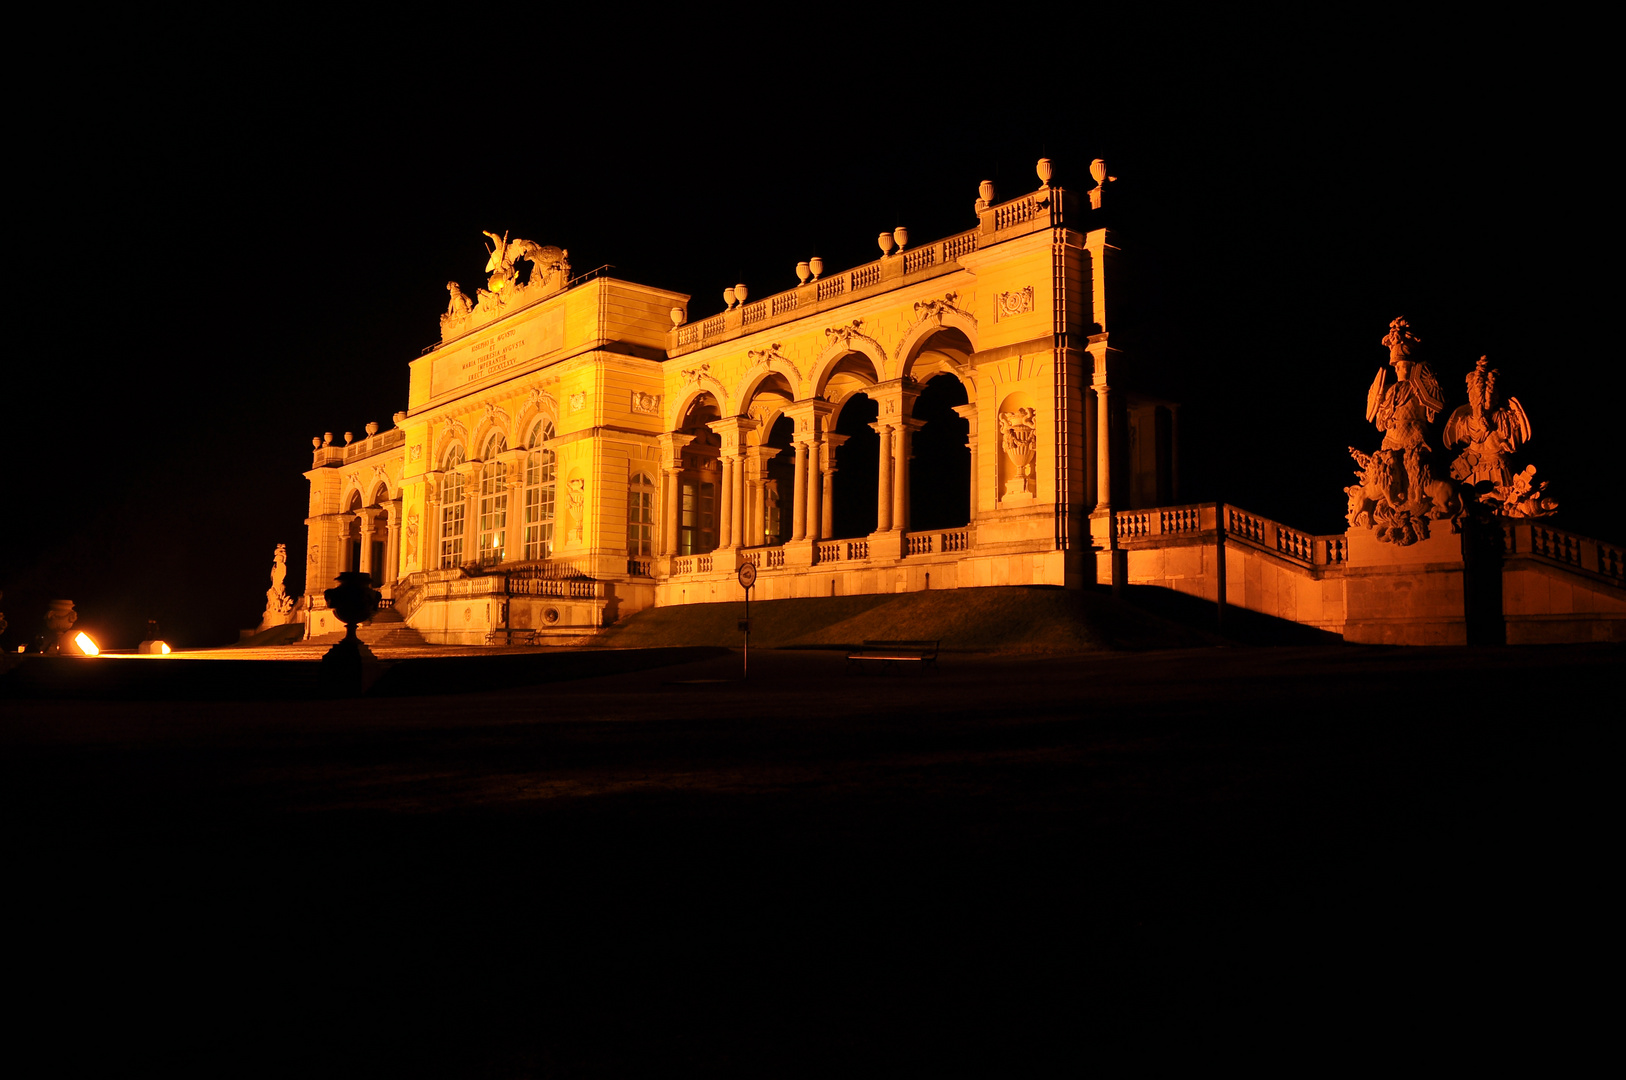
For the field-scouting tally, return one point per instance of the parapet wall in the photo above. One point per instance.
(1546, 586)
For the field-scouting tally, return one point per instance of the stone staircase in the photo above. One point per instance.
(385, 629)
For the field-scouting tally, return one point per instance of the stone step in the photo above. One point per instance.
(390, 634)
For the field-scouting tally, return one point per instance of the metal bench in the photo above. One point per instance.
(890, 653)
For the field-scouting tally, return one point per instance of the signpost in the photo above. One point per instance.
(748, 578)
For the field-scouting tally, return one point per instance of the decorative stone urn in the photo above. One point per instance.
(59, 619)
(353, 600)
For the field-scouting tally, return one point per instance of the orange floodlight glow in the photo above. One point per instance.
(163, 649)
(86, 646)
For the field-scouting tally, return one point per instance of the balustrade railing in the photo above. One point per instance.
(640, 568)
(919, 259)
(560, 588)
(931, 543)
(1017, 211)
(955, 246)
(1568, 548)
(765, 558)
(938, 253)
(1294, 544)
(1197, 519)
(829, 551)
(1179, 519)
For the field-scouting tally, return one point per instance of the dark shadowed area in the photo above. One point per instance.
(1006, 866)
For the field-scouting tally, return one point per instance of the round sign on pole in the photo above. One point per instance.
(748, 574)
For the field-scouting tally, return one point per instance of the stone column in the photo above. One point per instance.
(392, 541)
(741, 515)
(429, 535)
(799, 497)
(883, 485)
(900, 487)
(1103, 451)
(832, 443)
(365, 518)
(471, 511)
(672, 445)
(725, 500)
(513, 528)
(816, 530)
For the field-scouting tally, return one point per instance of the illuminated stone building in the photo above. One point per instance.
(577, 448)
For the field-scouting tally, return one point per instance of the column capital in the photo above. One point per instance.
(810, 415)
(733, 431)
(672, 444)
(894, 399)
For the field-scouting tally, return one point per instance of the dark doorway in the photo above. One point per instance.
(940, 473)
(857, 473)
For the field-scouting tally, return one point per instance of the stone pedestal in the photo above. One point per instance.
(886, 545)
(1412, 595)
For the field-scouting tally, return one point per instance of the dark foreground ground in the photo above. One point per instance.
(1283, 859)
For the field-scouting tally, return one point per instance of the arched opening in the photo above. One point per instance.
(380, 537)
(770, 487)
(940, 474)
(350, 556)
(493, 502)
(640, 521)
(451, 510)
(857, 468)
(540, 492)
(779, 480)
(698, 482)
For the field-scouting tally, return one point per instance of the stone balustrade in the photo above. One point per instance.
(1566, 548)
(1198, 519)
(937, 257)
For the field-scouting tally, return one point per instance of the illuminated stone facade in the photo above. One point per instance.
(576, 448)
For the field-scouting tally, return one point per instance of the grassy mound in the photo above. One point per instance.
(1002, 618)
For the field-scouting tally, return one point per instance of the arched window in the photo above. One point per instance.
(451, 510)
(350, 557)
(493, 502)
(539, 493)
(640, 516)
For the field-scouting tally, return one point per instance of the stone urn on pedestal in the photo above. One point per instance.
(353, 600)
(59, 619)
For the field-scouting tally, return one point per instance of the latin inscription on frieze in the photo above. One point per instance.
(498, 352)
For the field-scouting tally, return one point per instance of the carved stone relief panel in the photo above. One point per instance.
(1012, 304)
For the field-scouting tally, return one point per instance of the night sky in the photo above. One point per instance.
(228, 250)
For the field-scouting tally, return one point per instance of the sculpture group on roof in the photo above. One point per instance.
(549, 271)
(1400, 489)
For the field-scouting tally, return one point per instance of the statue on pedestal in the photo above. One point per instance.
(1399, 492)
(1490, 430)
(278, 604)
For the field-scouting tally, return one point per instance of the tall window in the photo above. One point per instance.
(770, 496)
(640, 516)
(539, 493)
(451, 511)
(698, 525)
(493, 502)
